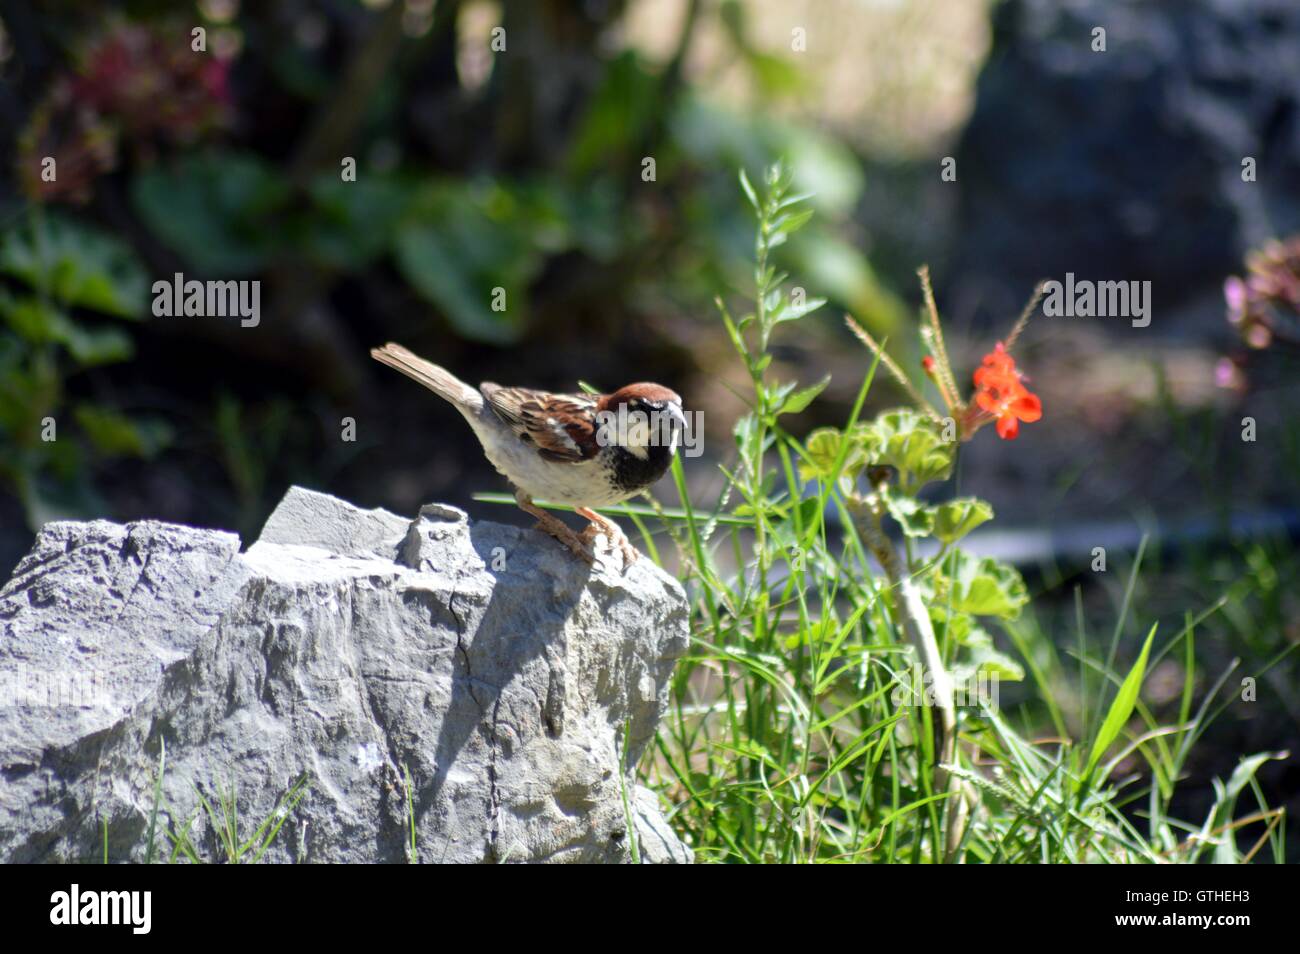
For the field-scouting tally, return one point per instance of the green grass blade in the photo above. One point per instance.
(151, 842)
(1121, 708)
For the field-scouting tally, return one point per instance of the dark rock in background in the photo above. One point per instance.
(1126, 164)
(346, 646)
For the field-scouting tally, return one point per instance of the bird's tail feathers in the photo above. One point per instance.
(438, 380)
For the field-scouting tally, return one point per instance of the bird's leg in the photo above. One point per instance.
(555, 527)
(612, 530)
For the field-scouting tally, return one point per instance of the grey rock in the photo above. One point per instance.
(318, 520)
(346, 647)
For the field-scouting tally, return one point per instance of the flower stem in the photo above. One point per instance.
(910, 611)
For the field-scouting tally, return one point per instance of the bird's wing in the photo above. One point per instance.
(561, 426)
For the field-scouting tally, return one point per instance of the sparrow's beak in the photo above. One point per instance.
(675, 414)
(677, 421)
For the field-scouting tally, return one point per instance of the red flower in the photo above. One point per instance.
(1000, 394)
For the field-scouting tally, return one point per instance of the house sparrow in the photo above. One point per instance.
(581, 450)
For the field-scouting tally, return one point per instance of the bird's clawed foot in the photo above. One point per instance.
(557, 528)
(603, 525)
(582, 545)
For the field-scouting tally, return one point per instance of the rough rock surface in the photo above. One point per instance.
(348, 646)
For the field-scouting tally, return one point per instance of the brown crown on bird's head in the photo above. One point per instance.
(645, 392)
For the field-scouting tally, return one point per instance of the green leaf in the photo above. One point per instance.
(40, 323)
(822, 447)
(789, 311)
(95, 346)
(438, 269)
(30, 318)
(799, 400)
(219, 209)
(772, 300)
(617, 115)
(795, 198)
(790, 222)
(957, 627)
(745, 432)
(1225, 849)
(910, 443)
(777, 394)
(986, 587)
(822, 630)
(76, 265)
(750, 194)
(916, 519)
(467, 242)
(956, 518)
(115, 434)
(988, 660)
(807, 510)
(352, 223)
(1122, 707)
(823, 450)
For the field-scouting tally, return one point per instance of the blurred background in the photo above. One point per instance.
(582, 156)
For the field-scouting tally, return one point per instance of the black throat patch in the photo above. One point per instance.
(631, 473)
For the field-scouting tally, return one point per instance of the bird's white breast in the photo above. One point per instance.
(584, 484)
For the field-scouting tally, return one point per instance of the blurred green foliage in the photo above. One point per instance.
(72, 284)
(586, 187)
